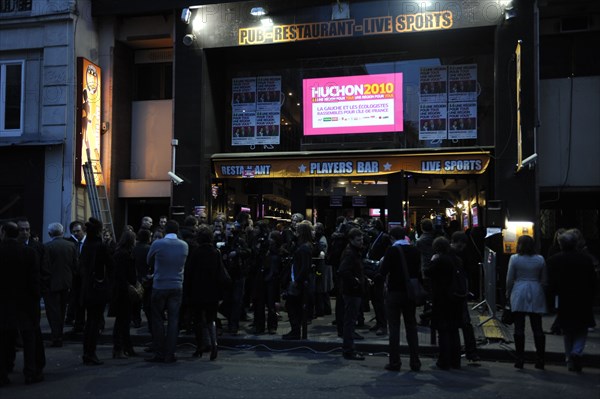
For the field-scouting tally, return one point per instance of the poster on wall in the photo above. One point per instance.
(353, 104)
(433, 83)
(267, 127)
(462, 121)
(268, 93)
(89, 117)
(243, 94)
(462, 83)
(242, 127)
(432, 121)
(256, 110)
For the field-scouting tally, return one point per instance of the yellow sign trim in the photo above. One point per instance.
(333, 166)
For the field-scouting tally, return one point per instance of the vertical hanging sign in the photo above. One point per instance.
(89, 114)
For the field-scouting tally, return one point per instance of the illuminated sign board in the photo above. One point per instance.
(353, 104)
(88, 116)
(231, 24)
(419, 22)
(374, 165)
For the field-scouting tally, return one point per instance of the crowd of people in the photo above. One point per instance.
(184, 276)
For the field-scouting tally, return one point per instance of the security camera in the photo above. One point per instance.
(530, 160)
(176, 179)
(189, 39)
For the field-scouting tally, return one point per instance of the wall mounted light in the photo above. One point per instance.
(186, 16)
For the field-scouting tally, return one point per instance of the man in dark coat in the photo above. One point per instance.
(353, 282)
(75, 312)
(9, 250)
(399, 256)
(22, 264)
(95, 265)
(62, 261)
(572, 279)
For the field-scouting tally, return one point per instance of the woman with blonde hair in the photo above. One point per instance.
(527, 275)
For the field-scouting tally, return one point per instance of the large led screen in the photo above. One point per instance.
(353, 104)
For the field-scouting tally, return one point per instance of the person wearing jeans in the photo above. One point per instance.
(168, 256)
(164, 345)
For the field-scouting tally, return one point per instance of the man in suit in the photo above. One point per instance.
(75, 312)
(21, 263)
(62, 261)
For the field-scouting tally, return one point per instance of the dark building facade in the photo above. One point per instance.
(269, 112)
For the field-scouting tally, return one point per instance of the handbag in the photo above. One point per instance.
(508, 317)
(414, 289)
(136, 292)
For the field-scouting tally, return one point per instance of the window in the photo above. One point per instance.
(11, 97)
(10, 6)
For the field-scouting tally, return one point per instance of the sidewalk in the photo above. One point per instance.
(494, 339)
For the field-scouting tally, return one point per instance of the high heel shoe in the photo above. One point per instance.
(118, 354)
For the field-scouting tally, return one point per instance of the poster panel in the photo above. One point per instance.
(242, 128)
(268, 93)
(243, 94)
(433, 84)
(462, 120)
(462, 83)
(268, 127)
(432, 121)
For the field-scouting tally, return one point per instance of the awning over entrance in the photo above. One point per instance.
(351, 164)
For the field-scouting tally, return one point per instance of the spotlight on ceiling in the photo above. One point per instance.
(258, 11)
(189, 39)
(186, 16)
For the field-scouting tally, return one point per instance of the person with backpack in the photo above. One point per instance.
(448, 295)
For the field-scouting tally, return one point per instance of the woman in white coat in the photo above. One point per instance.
(527, 275)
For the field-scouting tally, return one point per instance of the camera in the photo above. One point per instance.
(189, 39)
(176, 179)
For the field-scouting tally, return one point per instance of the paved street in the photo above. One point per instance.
(291, 374)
